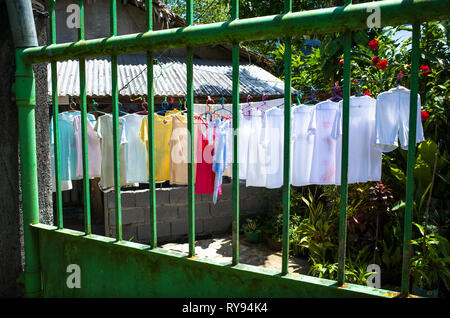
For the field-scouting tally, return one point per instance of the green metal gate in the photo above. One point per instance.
(113, 267)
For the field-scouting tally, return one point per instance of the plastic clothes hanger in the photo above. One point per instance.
(313, 99)
(120, 111)
(222, 101)
(95, 110)
(249, 105)
(208, 112)
(144, 110)
(164, 106)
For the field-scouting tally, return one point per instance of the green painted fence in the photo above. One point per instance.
(113, 267)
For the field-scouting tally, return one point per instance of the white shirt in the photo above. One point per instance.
(364, 159)
(273, 140)
(135, 150)
(244, 136)
(256, 173)
(392, 119)
(323, 168)
(302, 145)
(104, 130)
(94, 151)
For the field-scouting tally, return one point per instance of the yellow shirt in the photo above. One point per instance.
(163, 131)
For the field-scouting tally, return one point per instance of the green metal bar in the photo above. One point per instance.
(116, 127)
(344, 160)
(26, 102)
(57, 159)
(84, 137)
(411, 157)
(327, 20)
(287, 147)
(151, 131)
(190, 126)
(235, 219)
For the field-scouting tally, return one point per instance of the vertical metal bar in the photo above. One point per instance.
(287, 147)
(115, 111)
(190, 124)
(57, 160)
(151, 131)
(411, 157)
(235, 220)
(26, 102)
(84, 137)
(344, 161)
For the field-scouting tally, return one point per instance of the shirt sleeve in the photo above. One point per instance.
(337, 124)
(144, 130)
(98, 127)
(312, 123)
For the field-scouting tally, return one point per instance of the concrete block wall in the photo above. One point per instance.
(172, 212)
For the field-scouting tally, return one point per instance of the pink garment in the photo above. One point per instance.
(94, 151)
(204, 179)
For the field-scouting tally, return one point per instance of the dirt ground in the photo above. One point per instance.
(249, 253)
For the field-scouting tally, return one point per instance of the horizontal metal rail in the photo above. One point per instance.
(328, 20)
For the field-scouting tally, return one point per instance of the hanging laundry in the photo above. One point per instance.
(392, 119)
(163, 131)
(135, 150)
(179, 150)
(104, 130)
(256, 173)
(243, 137)
(67, 145)
(222, 153)
(94, 151)
(303, 140)
(364, 160)
(273, 140)
(323, 168)
(205, 176)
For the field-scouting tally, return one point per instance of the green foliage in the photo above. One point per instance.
(430, 263)
(251, 225)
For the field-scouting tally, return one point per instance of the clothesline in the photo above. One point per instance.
(316, 144)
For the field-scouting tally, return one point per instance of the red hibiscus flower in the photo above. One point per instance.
(425, 69)
(375, 60)
(367, 93)
(425, 115)
(341, 62)
(373, 44)
(382, 64)
(400, 75)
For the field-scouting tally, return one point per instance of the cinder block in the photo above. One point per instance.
(142, 198)
(201, 210)
(133, 216)
(129, 216)
(162, 195)
(254, 205)
(109, 197)
(129, 233)
(179, 227)
(166, 213)
(227, 191)
(128, 199)
(178, 195)
(216, 225)
(222, 208)
(162, 230)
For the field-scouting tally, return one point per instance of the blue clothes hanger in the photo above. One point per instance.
(222, 101)
(313, 99)
(120, 111)
(336, 96)
(164, 106)
(95, 110)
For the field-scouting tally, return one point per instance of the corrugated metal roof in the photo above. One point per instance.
(211, 77)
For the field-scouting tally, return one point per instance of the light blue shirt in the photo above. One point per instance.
(222, 151)
(67, 147)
